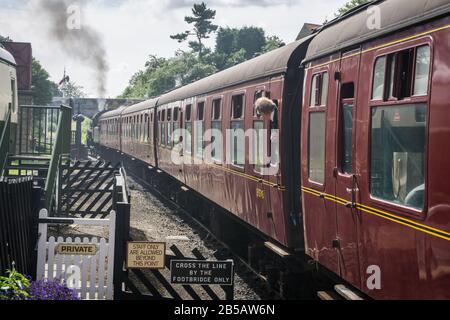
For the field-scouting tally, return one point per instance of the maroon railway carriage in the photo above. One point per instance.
(375, 155)
(109, 129)
(225, 101)
(136, 132)
(269, 203)
(369, 176)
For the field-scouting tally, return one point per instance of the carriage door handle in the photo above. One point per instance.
(353, 190)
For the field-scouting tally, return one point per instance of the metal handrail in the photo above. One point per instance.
(60, 148)
(5, 141)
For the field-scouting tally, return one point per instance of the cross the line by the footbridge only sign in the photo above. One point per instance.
(192, 272)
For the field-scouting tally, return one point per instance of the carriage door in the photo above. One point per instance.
(344, 173)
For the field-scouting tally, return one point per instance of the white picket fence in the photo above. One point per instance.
(90, 276)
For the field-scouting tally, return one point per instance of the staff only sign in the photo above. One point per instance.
(146, 255)
(202, 272)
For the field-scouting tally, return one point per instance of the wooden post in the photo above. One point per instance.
(121, 237)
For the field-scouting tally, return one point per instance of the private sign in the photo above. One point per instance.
(77, 249)
(146, 255)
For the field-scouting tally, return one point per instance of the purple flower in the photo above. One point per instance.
(51, 290)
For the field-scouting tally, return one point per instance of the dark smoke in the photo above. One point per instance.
(84, 44)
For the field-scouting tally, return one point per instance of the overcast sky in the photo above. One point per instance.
(134, 29)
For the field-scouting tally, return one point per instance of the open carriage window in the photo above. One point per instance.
(199, 128)
(188, 112)
(319, 90)
(402, 74)
(216, 105)
(238, 107)
(216, 135)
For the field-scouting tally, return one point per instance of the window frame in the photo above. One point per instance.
(422, 99)
(324, 111)
(199, 103)
(392, 51)
(214, 99)
(265, 93)
(317, 109)
(255, 152)
(242, 119)
(341, 143)
(320, 74)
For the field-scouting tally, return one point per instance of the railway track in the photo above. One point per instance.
(275, 277)
(258, 281)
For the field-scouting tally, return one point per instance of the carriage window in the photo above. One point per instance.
(217, 109)
(188, 138)
(188, 112)
(398, 139)
(169, 114)
(142, 129)
(406, 75)
(258, 145)
(391, 76)
(176, 111)
(259, 94)
(347, 138)
(176, 134)
(317, 147)
(199, 138)
(319, 90)
(146, 128)
(378, 79)
(163, 133)
(238, 107)
(216, 141)
(200, 111)
(169, 134)
(422, 71)
(199, 129)
(237, 143)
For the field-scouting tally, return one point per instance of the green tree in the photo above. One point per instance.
(203, 26)
(272, 43)
(43, 88)
(349, 6)
(226, 40)
(235, 45)
(72, 90)
(5, 39)
(162, 75)
(252, 40)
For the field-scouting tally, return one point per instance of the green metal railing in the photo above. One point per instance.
(5, 141)
(61, 148)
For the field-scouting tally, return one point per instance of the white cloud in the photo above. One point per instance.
(133, 29)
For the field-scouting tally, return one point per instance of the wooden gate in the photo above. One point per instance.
(90, 274)
(86, 188)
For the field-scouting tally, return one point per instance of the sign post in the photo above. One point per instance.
(202, 272)
(146, 255)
